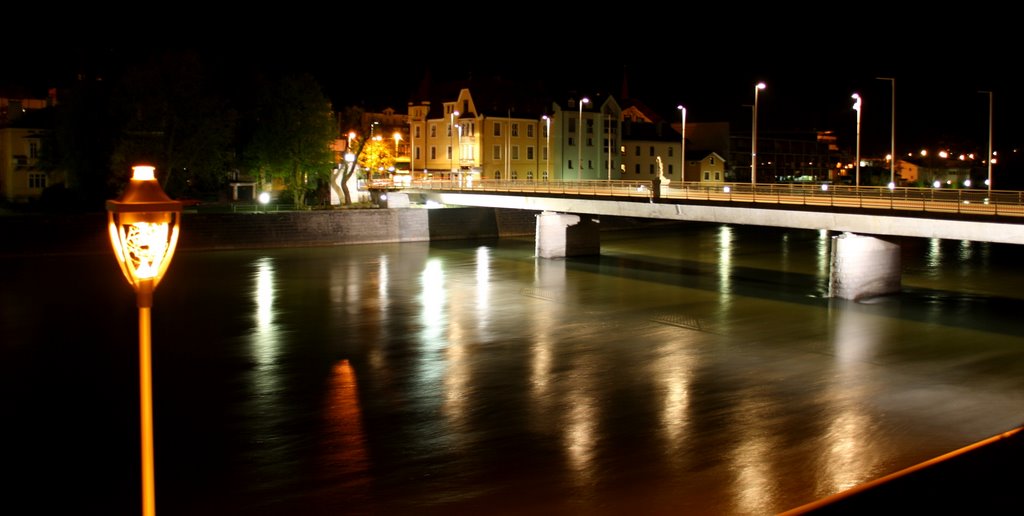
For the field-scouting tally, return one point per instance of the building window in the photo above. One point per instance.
(433, 152)
(37, 181)
(497, 129)
(707, 175)
(712, 160)
(590, 163)
(572, 141)
(433, 130)
(590, 126)
(572, 125)
(515, 129)
(449, 152)
(670, 150)
(718, 176)
(544, 132)
(515, 152)
(417, 151)
(529, 131)
(590, 142)
(637, 169)
(472, 129)
(529, 175)
(570, 164)
(496, 152)
(417, 131)
(544, 154)
(670, 169)
(449, 130)
(651, 168)
(515, 175)
(544, 176)
(497, 174)
(529, 153)
(651, 153)
(637, 150)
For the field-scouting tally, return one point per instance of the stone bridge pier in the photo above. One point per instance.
(564, 234)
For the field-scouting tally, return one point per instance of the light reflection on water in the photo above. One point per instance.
(697, 368)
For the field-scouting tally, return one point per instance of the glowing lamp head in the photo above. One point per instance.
(761, 86)
(143, 226)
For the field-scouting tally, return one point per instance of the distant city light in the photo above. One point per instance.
(924, 152)
(943, 154)
(962, 157)
(967, 183)
(888, 157)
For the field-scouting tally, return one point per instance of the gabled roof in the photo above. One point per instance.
(700, 154)
(492, 96)
(654, 117)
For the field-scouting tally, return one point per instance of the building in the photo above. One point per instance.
(585, 139)
(651, 150)
(705, 166)
(485, 131)
(782, 158)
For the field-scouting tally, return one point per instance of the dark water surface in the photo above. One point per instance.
(690, 370)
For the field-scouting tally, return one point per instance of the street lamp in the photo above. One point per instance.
(857, 108)
(398, 138)
(451, 135)
(579, 140)
(753, 140)
(547, 146)
(143, 226)
(892, 149)
(989, 141)
(682, 151)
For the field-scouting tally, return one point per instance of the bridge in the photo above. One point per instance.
(861, 266)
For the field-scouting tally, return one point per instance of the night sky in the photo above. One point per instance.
(809, 76)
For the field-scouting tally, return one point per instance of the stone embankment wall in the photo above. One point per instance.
(77, 233)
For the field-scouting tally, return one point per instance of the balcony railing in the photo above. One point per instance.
(937, 200)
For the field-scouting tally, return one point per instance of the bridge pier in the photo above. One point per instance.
(863, 267)
(560, 235)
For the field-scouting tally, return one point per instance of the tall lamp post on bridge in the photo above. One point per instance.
(451, 146)
(857, 107)
(143, 226)
(579, 140)
(753, 140)
(682, 147)
(892, 149)
(547, 146)
(989, 182)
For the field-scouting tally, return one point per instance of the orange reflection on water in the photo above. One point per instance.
(345, 439)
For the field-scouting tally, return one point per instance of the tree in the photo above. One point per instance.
(293, 135)
(377, 156)
(170, 118)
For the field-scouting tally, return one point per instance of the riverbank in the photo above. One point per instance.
(87, 232)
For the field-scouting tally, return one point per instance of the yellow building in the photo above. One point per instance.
(704, 166)
(456, 138)
(21, 178)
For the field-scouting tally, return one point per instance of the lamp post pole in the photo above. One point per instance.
(892, 130)
(547, 146)
(682, 147)
(989, 182)
(143, 226)
(451, 146)
(753, 140)
(579, 141)
(857, 107)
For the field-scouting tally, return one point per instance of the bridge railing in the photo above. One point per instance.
(937, 200)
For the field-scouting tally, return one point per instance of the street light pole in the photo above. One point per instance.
(989, 182)
(547, 147)
(143, 226)
(451, 145)
(857, 108)
(892, 149)
(579, 141)
(682, 148)
(753, 140)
